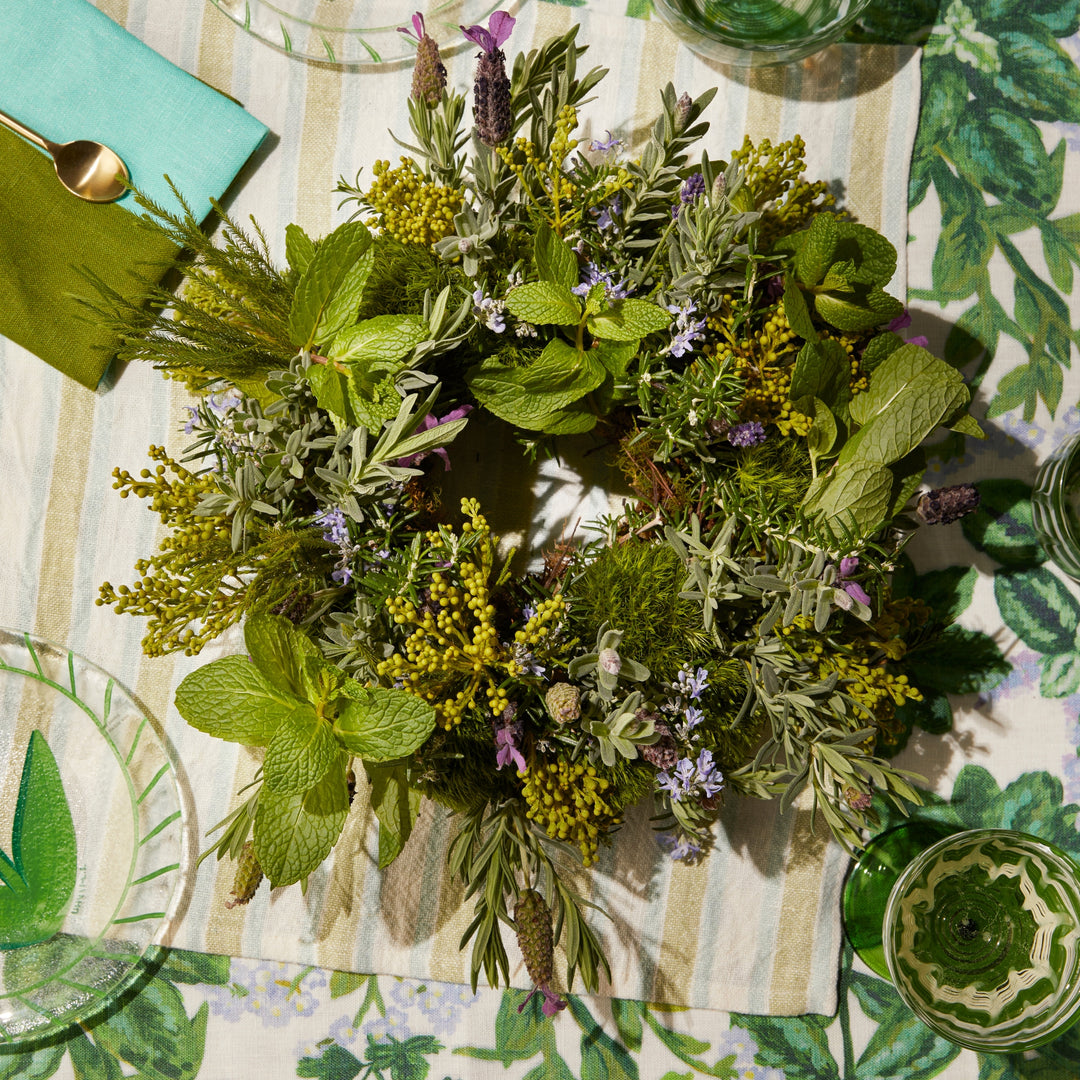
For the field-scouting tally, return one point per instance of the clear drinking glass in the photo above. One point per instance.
(1055, 506)
(980, 933)
(754, 33)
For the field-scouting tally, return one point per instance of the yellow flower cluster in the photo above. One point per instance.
(158, 593)
(548, 176)
(567, 800)
(410, 208)
(773, 176)
(453, 650)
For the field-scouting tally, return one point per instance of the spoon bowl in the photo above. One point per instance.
(86, 168)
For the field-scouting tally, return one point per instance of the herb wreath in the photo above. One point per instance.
(719, 327)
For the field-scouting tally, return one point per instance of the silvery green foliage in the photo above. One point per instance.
(703, 251)
(627, 726)
(471, 240)
(752, 583)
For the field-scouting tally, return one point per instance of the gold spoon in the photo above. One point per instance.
(87, 169)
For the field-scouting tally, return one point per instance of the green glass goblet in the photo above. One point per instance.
(980, 933)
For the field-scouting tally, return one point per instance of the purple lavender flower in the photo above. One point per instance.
(489, 311)
(752, 433)
(491, 87)
(429, 73)
(693, 716)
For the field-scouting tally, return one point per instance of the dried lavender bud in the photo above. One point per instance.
(248, 875)
(429, 75)
(491, 98)
(294, 607)
(945, 505)
(533, 921)
(664, 753)
(563, 701)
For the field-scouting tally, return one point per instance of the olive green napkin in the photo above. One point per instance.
(45, 234)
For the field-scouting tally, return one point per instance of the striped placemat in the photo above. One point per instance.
(755, 927)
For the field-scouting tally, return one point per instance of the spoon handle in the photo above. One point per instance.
(24, 131)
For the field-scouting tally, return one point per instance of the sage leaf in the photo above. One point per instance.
(384, 724)
(629, 320)
(555, 261)
(39, 875)
(279, 650)
(294, 833)
(328, 294)
(396, 804)
(231, 699)
(302, 749)
(543, 303)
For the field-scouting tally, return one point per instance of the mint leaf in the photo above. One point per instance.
(858, 494)
(858, 310)
(385, 338)
(542, 303)
(816, 252)
(823, 431)
(396, 804)
(328, 294)
(331, 390)
(299, 248)
(555, 261)
(878, 349)
(384, 724)
(870, 259)
(527, 396)
(302, 749)
(822, 370)
(796, 311)
(373, 401)
(615, 355)
(575, 419)
(279, 650)
(232, 700)
(629, 320)
(40, 873)
(294, 833)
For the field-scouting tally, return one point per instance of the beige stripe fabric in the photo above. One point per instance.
(753, 928)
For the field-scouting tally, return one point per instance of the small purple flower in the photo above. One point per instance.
(605, 146)
(901, 322)
(691, 683)
(694, 716)
(605, 219)
(507, 750)
(412, 460)
(593, 275)
(686, 329)
(752, 433)
(669, 784)
(848, 565)
(680, 848)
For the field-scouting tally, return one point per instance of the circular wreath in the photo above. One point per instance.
(718, 328)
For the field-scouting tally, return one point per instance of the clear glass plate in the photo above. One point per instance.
(353, 33)
(131, 855)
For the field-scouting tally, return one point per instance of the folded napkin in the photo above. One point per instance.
(70, 72)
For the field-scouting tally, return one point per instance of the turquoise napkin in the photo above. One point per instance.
(69, 72)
